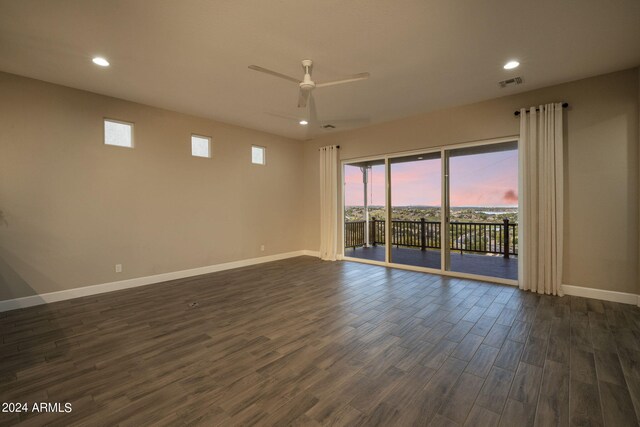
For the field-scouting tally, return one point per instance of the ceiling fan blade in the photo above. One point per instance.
(273, 73)
(313, 115)
(303, 97)
(345, 123)
(354, 78)
(312, 128)
(284, 116)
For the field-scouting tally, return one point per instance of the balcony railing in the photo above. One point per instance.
(481, 237)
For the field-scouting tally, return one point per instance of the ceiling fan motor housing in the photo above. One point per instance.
(307, 83)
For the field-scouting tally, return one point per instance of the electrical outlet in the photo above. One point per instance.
(261, 248)
(118, 268)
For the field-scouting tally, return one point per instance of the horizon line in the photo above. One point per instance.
(432, 206)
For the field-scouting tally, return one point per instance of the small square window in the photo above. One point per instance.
(118, 133)
(258, 155)
(200, 146)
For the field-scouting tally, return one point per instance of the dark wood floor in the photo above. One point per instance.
(484, 265)
(305, 342)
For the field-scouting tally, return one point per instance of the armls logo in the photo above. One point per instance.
(52, 407)
(41, 407)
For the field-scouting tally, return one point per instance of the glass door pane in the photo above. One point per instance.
(483, 210)
(416, 210)
(364, 210)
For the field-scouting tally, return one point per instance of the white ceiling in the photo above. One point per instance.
(192, 56)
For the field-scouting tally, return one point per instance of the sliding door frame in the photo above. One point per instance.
(444, 208)
(445, 236)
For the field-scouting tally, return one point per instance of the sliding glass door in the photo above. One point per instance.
(450, 210)
(483, 210)
(416, 209)
(365, 210)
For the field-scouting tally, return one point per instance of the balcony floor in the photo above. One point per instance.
(485, 265)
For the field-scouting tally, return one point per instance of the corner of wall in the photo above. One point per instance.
(311, 196)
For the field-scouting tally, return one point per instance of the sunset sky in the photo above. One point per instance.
(476, 180)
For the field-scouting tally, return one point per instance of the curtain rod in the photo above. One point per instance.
(337, 146)
(564, 105)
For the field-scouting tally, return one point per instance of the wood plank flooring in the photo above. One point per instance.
(305, 342)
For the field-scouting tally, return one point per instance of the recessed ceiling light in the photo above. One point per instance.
(304, 122)
(98, 60)
(511, 65)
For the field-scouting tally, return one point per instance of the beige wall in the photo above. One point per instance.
(75, 207)
(601, 169)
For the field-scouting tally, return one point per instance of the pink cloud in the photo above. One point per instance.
(510, 197)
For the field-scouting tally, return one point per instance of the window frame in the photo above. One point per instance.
(209, 140)
(264, 155)
(387, 157)
(122, 122)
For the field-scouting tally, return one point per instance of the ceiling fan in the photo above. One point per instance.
(306, 84)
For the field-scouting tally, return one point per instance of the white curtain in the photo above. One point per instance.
(541, 191)
(328, 202)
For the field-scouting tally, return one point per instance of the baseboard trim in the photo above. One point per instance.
(14, 304)
(47, 298)
(601, 294)
(311, 253)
